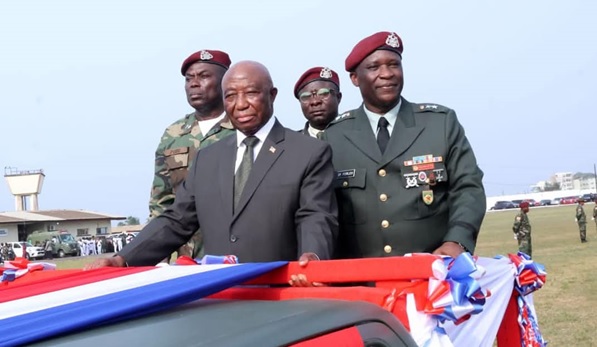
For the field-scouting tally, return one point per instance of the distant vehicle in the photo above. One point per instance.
(33, 252)
(532, 202)
(556, 201)
(589, 197)
(64, 242)
(545, 202)
(569, 200)
(502, 205)
(517, 202)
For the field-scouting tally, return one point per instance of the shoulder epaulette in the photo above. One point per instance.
(430, 108)
(344, 116)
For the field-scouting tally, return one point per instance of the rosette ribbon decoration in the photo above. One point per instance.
(14, 269)
(454, 292)
(530, 276)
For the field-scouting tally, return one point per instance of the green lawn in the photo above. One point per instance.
(565, 303)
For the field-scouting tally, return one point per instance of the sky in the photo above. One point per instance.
(88, 87)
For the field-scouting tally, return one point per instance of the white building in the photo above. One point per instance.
(17, 225)
(565, 180)
(585, 184)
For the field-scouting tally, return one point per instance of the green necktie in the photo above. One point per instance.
(242, 174)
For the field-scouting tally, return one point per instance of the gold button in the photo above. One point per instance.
(385, 224)
(383, 197)
(387, 249)
(382, 172)
(345, 184)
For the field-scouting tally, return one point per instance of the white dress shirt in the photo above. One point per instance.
(391, 116)
(261, 134)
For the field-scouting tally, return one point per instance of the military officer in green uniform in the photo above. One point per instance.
(318, 91)
(203, 72)
(522, 229)
(406, 176)
(581, 219)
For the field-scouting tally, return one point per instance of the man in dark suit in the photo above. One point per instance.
(318, 91)
(406, 176)
(265, 194)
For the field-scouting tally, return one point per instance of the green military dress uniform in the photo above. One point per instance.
(581, 218)
(522, 230)
(173, 157)
(425, 189)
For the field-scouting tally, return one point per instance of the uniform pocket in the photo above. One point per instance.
(350, 190)
(352, 178)
(176, 158)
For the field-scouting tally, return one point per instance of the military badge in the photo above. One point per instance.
(421, 167)
(411, 181)
(423, 159)
(326, 72)
(422, 176)
(392, 40)
(427, 197)
(205, 55)
(431, 181)
(272, 149)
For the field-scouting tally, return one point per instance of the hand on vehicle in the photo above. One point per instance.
(449, 248)
(300, 280)
(115, 261)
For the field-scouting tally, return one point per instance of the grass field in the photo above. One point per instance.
(565, 304)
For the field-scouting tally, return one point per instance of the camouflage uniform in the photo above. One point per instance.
(595, 214)
(173, 157)
(522, 230)
(582, 222)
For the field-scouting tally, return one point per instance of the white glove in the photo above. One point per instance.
(515, 237)
(592, 218)
(576, 220)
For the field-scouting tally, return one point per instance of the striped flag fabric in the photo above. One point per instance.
(42, 304)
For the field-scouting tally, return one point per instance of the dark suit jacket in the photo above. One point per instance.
(386, 207)
(287, 207)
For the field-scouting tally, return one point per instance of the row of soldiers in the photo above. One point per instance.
(522, 225)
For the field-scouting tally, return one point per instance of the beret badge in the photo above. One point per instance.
(326, 72)
(393, 40)
(205, 55)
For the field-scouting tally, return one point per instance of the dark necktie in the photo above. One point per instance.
(242, 174)
(383, 135)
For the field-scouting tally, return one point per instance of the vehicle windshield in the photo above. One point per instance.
(67, 238)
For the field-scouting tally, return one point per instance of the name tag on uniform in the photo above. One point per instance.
(345, 174)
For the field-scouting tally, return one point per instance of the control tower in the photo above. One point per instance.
(24, 184)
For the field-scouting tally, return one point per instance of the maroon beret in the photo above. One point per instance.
(206, 56)
(381, 40)
(316, 74)
(524, 204)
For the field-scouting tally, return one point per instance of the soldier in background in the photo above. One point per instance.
(581, 218)
(522, 229)
(595, 214)
(203, 72)
(318, 90)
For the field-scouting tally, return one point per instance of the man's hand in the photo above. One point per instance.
(449, 248)
(116, 261)
(300, 280)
